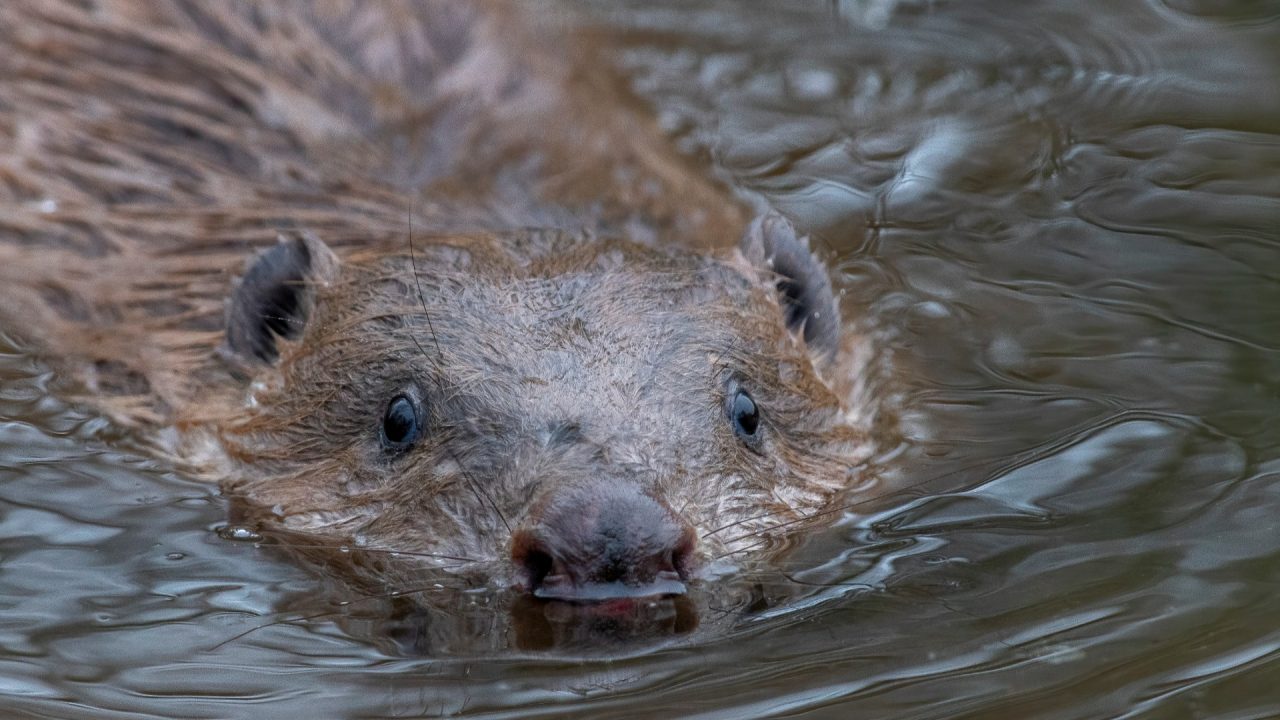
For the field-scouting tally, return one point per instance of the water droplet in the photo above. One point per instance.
(238, 533)
(174, 556)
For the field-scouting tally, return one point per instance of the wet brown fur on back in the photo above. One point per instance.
(152, 145)
(157, 148)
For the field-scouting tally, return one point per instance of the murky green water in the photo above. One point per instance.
(1065, 216)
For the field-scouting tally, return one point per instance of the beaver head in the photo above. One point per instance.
(597, 418)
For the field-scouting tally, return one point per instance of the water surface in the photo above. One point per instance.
(1062, 218)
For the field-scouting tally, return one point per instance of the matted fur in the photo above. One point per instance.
(152, 147)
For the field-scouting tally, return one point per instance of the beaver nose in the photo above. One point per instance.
(603, 543)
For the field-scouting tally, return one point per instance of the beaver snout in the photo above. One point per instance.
(601, 543)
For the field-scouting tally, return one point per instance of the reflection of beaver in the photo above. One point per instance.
(591, 414)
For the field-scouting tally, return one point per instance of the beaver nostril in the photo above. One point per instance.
(531, 559)
(537, 565)
(681, 559)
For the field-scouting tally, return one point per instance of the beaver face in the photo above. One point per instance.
(597, 418)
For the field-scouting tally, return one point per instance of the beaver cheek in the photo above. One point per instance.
(600, 542)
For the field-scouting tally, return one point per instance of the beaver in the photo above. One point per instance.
(400, 278)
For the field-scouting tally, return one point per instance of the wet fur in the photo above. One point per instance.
(157, 145)
(624, 347)
(151, 146)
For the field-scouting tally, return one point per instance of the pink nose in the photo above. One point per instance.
(595, 543)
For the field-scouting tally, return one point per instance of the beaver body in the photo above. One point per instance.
(288, 244)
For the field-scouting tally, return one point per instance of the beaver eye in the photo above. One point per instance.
(400, 427)
(744, 414)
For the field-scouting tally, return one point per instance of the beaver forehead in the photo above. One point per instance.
(633, 347)
(546, 318)
(583, 345)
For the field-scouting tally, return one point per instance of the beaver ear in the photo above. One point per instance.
(275, 297)
(804, 287)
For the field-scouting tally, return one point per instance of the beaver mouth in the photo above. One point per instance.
(569, 604)
(564, 588)
(545, 577)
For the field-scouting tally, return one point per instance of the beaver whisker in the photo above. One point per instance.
(822, 512)
(742, 521)
(282, 621)
(766, 532)
(716, 367)
(384, 551)
(475, 487)
(684, 507)
(752, 546)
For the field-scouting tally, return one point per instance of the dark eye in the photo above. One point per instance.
(400, 426)
(744, 414)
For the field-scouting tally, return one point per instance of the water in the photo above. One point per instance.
(1065, 217)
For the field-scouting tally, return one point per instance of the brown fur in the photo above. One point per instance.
(631, 345)
(153, 146)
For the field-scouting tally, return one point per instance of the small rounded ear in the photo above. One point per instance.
(804, 287)
(275, 296)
